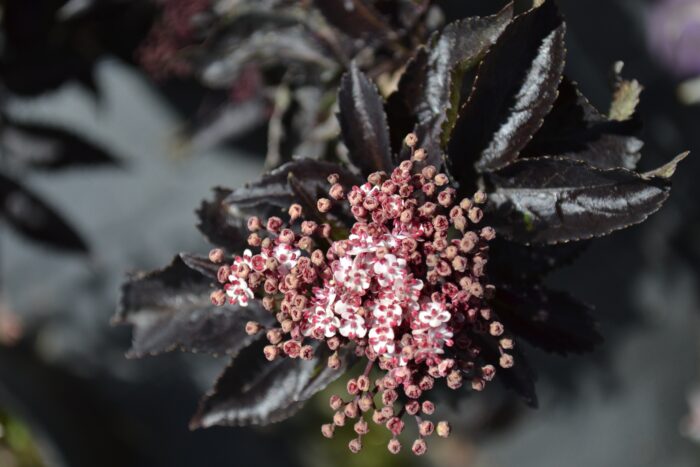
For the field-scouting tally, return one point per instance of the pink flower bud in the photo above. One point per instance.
(428, 407)
(254, 224)
(420, 155)
(252, 328)
(410, 140)
(361, 427)
(336, 402)
(274, 223)
(216, 255)
(506, 361)
(426, 428)
(271, 352)
(363, 383)
(351, 386)
(412, 407)
(419, 447)
(218, 298)
(323, 205)
(355, 445)
(327, 430)
(395, 425)
(295, 212)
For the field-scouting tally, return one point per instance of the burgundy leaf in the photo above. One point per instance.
(222, 224)
(576, 130)
(252, 390)
(170, 309)
(273, 188)
(356, 18)
(551, 200)
(552, 321)
(514, 90)
(517, 262)
(35, 219)
(431, 85)
(363, 123)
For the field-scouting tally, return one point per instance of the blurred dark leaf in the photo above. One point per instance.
(48, 147)
(35, 219)
(514, 90)
(551, 200)
(576, 130)
(517, 262)
(356, 18)
(170, 309)
(363, 123)
(272, 44)
(225, 123)
(47, 43)
(252, 390)
(552, 321)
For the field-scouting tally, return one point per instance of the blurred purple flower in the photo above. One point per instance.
(673, 30)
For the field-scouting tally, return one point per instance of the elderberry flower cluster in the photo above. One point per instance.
(404, 289)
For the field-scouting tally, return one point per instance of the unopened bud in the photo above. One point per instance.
(410, 140)
(420, 155)
(394, 446)
(295, 211)
(218, 297)
(323, 205)
(419, 447)
(355, 445)
(327, 430)
(506, 361)
(443, 429)
(335, 402)
(252, 327)
(426, 428)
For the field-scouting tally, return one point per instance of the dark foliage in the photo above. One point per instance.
(488, 97)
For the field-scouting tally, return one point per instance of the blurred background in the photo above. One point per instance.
(69, 397)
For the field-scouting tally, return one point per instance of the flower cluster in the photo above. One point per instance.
(405, 289)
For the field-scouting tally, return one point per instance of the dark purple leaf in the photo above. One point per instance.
(222, 224)
(576, 130)
(552, 321)
(517, 262)
(551, 200)
(170, 309)
(273, 188)
(36, 220)
(254, 391)
(225, 123)
(47, 147)
(356, 18)
(430, 87)
(514, 90)
(363, 123)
